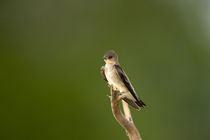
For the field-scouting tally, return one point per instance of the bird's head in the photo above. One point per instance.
(111, 57)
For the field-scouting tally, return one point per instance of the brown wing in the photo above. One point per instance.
(103, 74)
(127, 83)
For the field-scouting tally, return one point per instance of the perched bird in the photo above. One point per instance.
(113, 74)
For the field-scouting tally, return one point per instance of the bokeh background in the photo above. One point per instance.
(50, 56)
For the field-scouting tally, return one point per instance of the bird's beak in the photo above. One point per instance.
(105, 59)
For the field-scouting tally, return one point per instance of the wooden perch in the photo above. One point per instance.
(125, 120)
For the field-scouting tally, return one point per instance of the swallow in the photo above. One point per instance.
(116, 78)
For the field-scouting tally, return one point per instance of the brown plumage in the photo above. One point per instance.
(113, 74)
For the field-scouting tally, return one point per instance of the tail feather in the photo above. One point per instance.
(130, 102)
(140, 103)
(137, 105)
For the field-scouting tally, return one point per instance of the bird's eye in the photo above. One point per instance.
(110, 57)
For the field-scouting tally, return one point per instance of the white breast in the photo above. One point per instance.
(114, 79)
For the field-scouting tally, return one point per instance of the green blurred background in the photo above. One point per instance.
(50, 56)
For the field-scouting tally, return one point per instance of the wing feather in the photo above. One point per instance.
(127, 83)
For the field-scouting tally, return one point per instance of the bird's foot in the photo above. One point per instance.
(121, 96)
(115, 89)
(112, 87)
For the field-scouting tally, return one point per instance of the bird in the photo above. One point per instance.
(116, 78)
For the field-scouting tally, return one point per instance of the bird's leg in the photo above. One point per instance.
(113, 87)
(121, 96)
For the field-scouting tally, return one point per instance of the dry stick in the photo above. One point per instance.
(127, 111)
(125, 121)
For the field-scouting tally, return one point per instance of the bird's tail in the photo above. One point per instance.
(137, 105)
(140, 103)
(132, 103)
